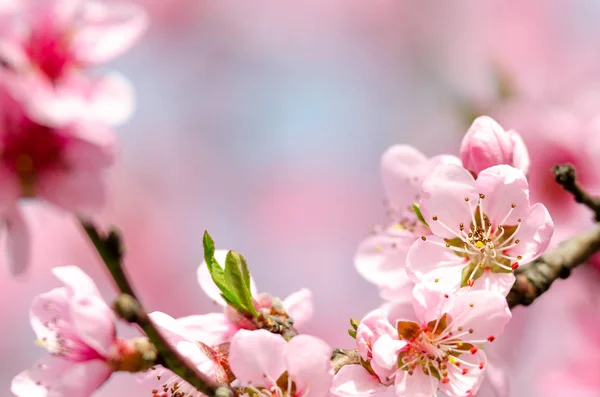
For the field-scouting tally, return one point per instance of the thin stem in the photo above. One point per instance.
(566, 176)
(110, 249)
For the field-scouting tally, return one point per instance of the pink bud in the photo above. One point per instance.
(487, 144)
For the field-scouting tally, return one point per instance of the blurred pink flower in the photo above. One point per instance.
(48, 44)
(64, 166)
(267, 365)
(482, 229)
(77, 327)
(381, 258)
(297, 305)
(487, 144)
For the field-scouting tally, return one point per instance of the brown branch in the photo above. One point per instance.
(127, 306)
(566, 176)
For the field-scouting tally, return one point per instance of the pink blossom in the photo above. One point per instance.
(78, 329)
(64, 166)
(266, 365)
(481, 229)
(487, 144)
(298, 305)
(196, 338)
(48, 45)
(380, 258)
(437, 342)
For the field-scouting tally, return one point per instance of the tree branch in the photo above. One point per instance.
(566, 176)
(129, 308)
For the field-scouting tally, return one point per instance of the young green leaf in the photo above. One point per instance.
(216, 271)
(354, 323)
(237, 278)
(417, 210)
(352, 333)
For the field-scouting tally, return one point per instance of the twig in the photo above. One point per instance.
(341, 357)
(566, 176)
(128, 307)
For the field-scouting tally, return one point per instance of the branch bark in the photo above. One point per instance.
(566, 176)
(127, 306)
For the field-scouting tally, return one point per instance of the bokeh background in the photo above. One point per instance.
(264, 122)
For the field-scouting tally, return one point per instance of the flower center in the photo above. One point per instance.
(50, 50)
(283, 387)
(484, 245)
(29, 150)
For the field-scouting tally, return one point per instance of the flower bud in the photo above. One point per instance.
(487, 144)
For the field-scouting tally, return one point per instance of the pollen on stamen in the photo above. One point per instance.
(491, 338)
(435, 218)
(481, 196)
(471, 330)
(471, 282)
(378, 248)
(471, 304)
(437, 280)
(467, 199)
(474, 349)
(519, 220)
(464, 371)
(447, 245)
(462, 226)
(423, 238)
(519, 257)
(445, 379)
(513, 205)
(481, 365)
(515, 266)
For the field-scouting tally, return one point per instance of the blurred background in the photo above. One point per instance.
(264, 123)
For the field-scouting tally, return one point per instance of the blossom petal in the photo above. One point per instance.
(257, 357)
(503, 186)
(401, 174)
(208, 285)
(385, 356)
(534, 234)
(400, 311)
(355, 381)
(107, 31)
(429, 303)
(308, 361)
(416, 385)
(381, 259)
(173, 330)
(483, 313)
(371, 327)
(520, 153)
(299, 306)
(45, 308)
(497, 282)
(78, 190)
(443, 195)
(430, 260)
(465, 384)
(90, 315)
(110, 100)
(18, 240)
(211, 329)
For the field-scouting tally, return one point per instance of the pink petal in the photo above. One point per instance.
(371, 327)
(76, 190)
(11, 190)
(308, 361)
(61, 12)
(111, 99)
(401, 292)
(535, 234)
(90, 315)
(299, 306)
(45, 308)
(211, 329)
(385, 357)
(503, 186)
(430, 260)
(257, 357)
(355, 381)
(107, 31)
(207, 284)
(443, 195)
(465, 384)
(18, 242)
(381, 258)
(520, 153)
(486, 313)
(429, 302)
(173, 330)
(57, 377)
(496, 377)
(497, 282)
(90, 147)
(416, 385)
(401, 171)
(400, 311)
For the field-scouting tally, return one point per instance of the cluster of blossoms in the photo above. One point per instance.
(459, 228)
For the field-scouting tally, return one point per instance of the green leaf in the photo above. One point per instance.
(417, 210)
(354, 323)
(352, 333)
(216, 271)
(237, 277)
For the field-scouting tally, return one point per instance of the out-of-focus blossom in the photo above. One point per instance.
(487, 144)
(482, 229)
(436, 343)
(381, 258)
(193, 340)
(298, 305)
(64, 166)
(266, 365)
(48, 43)
(77, 328)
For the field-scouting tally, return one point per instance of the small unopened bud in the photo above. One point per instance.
(487, 144)
(132, 355)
